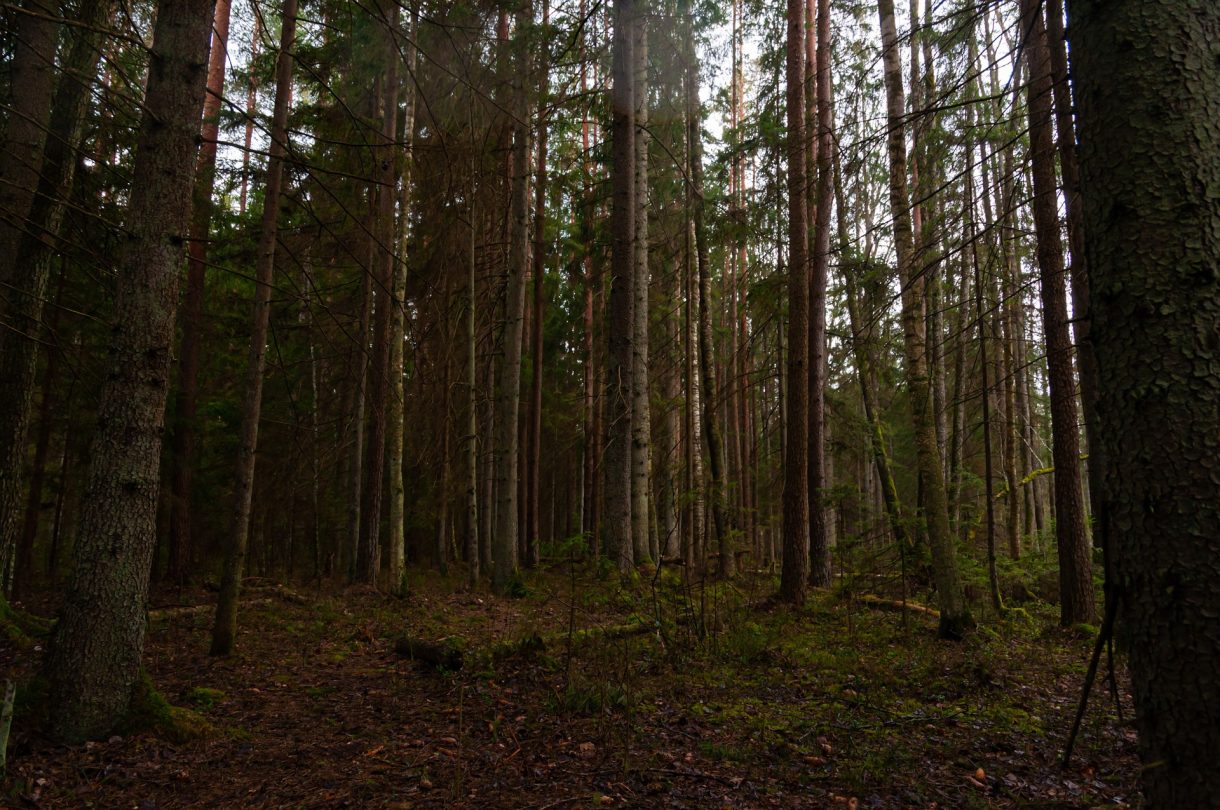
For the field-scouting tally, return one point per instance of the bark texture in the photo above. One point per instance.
(1148, 90)
(95, 653)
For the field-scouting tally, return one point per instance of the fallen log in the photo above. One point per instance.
(881, 603)
(453, 653)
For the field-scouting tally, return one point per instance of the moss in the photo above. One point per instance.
(203, 698)
(151, 712)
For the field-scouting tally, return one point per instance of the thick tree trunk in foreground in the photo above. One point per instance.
(616, 461)
(1152, 234)
(954, 612)
(224, 631)
(95, 653)
(641, 421)
(794, 574)
(1076, 602)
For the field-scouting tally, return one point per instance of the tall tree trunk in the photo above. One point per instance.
(794, 573)
(819, 538)
(641, 422)
(32, 79)
(95, 652)
(368, 552)
(473, 558)
(224, 631)
(1151, 229)
(533, 522)
(397, 404)
(1076, 602)
(508, 376)
(616, 460)
(26, 269)
(955, 615)
(251, 99)
(182, 448)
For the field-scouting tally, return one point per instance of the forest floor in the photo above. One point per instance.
(726, 701)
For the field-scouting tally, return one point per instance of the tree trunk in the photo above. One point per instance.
(508, 376)
(1076, 603)
(954, 612)
(38, 229)
(182, 448)
(224, 631)
(794, 573)
(1151, 229)
(616, 460)
(641, 421)
(96, 650)
(368, 552)
(533, 522)
(397, 404)
(819, 537)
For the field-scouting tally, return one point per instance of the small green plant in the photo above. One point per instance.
(203, 698)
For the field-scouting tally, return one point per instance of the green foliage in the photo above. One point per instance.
(203, 698)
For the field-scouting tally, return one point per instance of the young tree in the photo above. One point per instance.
(224, 631)
(1151, 235)
(99, 639)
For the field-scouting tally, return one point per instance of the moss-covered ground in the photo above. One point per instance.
(722, 699)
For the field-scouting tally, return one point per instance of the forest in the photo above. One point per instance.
(577, 403)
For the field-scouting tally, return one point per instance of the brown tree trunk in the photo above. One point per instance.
(819, 536)
(641, 421)
(182, 448)
(224, 631)
(794, 573)
(1076, 601)
(95, 652)
(368, 552)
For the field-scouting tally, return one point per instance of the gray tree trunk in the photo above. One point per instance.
(1149, 182)
(95, 652)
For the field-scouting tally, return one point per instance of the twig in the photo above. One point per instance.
(1107, 628)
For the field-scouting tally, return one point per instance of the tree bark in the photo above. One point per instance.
(955, 615)
(616, 459)
(182, 448)
(508, 375)
(1076, 602)
(224, 631)
(368, 552)
(794, 573)
(95, 652)
(641, 422)
(1147, 78)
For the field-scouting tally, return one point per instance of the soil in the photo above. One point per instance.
(726, 701)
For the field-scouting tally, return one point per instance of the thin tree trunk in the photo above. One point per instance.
(954, 612)
(641, 421)
(95, 653)
(368, 552)
(533, 533)
(819, 536)
(794, 573)
(224, 631)
(397, 404)
(1076, 601)
(186, 399)
(25, 265)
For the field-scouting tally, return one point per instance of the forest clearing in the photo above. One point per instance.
(642, 403)
(722, 703)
